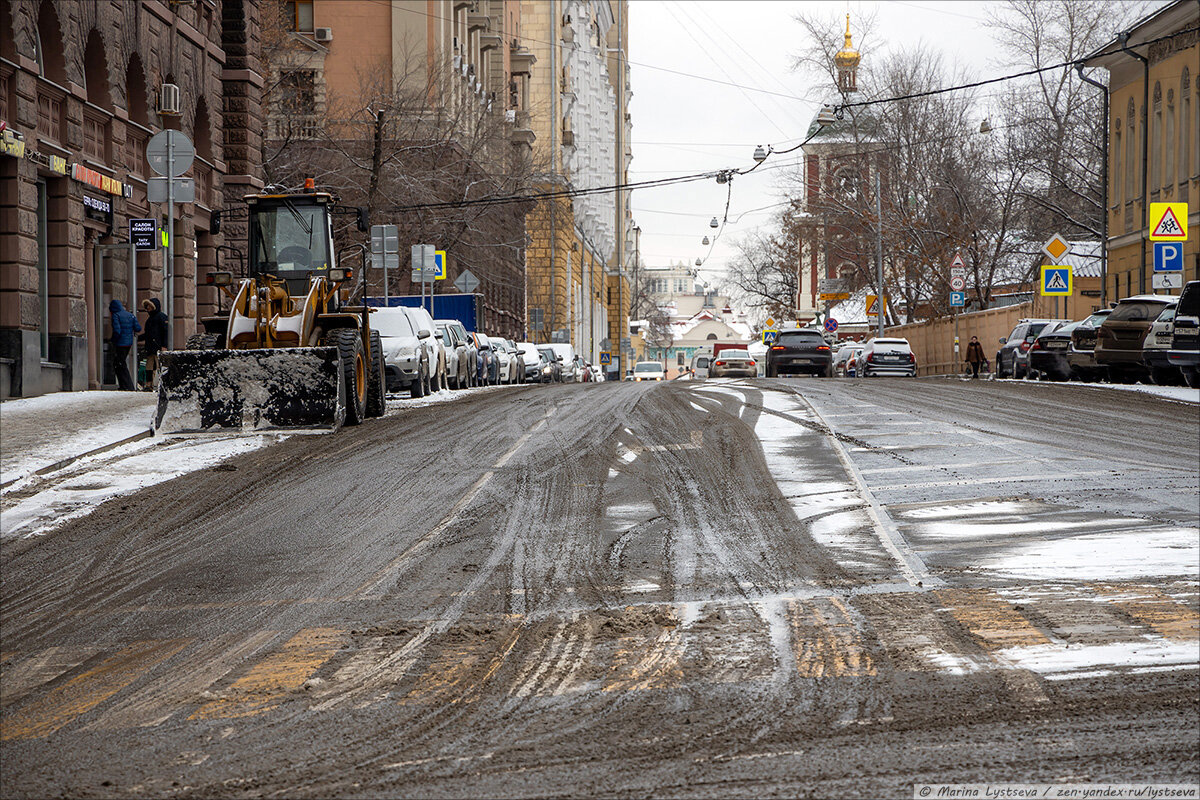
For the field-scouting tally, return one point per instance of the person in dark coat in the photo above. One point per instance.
(975, 356)
(124, 326)
(154, 339)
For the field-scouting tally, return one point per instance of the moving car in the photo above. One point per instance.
(1157, 345)
(887, 357)
(649, 371)
(800, 351)
(1081, 354)
(700, 364)
(551, 366)
(733, 364)
(1185, 341)
(1048, 353)
(1119, 338)
(1012, 359)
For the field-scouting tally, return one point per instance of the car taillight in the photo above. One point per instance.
(1035, 346)
(823, 347)
(1024, 346)
(912, 359)
(720, 363)
(778, 347)
(752, 364)
(870, 357)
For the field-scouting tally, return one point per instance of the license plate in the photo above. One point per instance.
(889, 358)
(801, 360)
(1056, 345)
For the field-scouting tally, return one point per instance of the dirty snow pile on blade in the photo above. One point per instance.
(205, 390)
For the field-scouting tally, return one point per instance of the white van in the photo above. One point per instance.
(699, 365)
(566, 354)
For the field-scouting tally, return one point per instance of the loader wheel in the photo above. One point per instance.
(354, 369)
(376, 385)
(202, 341)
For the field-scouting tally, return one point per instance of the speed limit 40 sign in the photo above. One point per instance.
(958, 283)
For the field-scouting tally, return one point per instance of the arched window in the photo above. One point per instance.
(1118, 185)
(1169, 141)
(1128, 191)
(52, 64)
(1186, 131)
(95, 71)
(202, 131)
(135, 91)
(712, 337)
(1156, 132)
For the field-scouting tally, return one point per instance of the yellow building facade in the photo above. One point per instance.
(1153, 148)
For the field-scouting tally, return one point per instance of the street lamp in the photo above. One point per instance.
(704, 240)
(699, 262)
(713, 223)
(760, 155)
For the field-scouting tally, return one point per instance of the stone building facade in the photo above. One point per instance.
(1153, 144)
(80, 96)
(580, 246)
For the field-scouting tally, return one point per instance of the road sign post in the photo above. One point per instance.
(170, 154)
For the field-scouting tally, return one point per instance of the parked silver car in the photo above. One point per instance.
(460, 359)
(406, 357)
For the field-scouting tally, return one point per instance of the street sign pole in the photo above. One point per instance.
(169, 250)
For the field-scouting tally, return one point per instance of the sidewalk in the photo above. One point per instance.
(37, 432)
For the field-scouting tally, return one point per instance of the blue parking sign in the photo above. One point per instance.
(1168, 256)
(958, 299)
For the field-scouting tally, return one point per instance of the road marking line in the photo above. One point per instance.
(827, 640)
(910, 564)
(1156, 610)
(84, 692)
(163, 697)
(269, 682)
(379, 577)
(991, 619)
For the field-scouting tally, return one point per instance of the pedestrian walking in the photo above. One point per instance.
(124, 326)
(154, 339)
(975, 357)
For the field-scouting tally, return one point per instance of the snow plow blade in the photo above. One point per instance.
(213, 390)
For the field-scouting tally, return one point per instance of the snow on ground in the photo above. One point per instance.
(1059, 661)
(1180, 394)
(36, 432)
(1114, 555)
(398, 402)
(121, 471)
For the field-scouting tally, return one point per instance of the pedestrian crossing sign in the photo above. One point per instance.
(769, 336)
(605, 358)
(1056, 281)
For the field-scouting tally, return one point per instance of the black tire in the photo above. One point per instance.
(203, 341)
(417, 388)
(355, 371)
(1191, 377)
(1164, 376)
(772, 371)
(376, 384)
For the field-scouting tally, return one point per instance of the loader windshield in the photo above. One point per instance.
(288, 238)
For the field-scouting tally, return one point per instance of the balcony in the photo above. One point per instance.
(522, 62)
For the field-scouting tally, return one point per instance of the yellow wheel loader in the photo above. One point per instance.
(291, 352)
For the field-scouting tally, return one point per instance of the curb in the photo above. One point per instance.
(66, 462)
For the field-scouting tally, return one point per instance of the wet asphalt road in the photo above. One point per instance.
(726, 588)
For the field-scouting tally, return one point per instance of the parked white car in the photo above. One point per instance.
(508, 366)
(565, 353)
(405, 356)
(531, 360)
(460, 353)
(887, 357)
(433, 340)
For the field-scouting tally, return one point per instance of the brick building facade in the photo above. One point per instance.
(79, 99)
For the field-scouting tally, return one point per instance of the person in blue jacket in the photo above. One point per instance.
(124, 326)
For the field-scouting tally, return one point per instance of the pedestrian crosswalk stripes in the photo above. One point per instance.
(643, 648)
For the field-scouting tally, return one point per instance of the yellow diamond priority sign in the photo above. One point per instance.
(1057, 248)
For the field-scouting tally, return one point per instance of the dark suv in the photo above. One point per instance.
(1185, 342)
(1012, 359)
(1119, 338)
(1081, 354)
(800, 351)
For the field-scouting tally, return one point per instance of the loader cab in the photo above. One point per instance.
(291, 237)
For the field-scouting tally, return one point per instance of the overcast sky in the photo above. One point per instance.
(683, 123)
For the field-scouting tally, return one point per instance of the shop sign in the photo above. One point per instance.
(97, 209)
(10, 145)
(93, 178)
(55, 164)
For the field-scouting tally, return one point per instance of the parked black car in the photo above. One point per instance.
(1185, 341)
(800, 351)
(1119, 338)
(1048, 353)
(1081, 354)
(1012, 357)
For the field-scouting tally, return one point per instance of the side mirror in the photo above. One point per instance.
(1003, 339)
(559, 359)
(424, 333)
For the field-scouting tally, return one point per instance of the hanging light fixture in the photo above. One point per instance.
(704, 240)
(985, 126)
(712, 223)
(699, 262)
(827, 116)
(760, 155)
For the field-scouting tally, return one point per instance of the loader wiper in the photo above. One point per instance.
(304, 224)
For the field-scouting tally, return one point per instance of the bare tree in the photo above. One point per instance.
(762, 276)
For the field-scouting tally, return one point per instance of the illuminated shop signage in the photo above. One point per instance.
(11, 145)
(102, 182)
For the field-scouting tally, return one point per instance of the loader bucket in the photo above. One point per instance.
(211, 390)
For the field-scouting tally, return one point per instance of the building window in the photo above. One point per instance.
(1117, 184)
(1130, 161)
(300, 15)
(1156, 132)
(1169, 140)
(1185, 126)
(43, 256)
